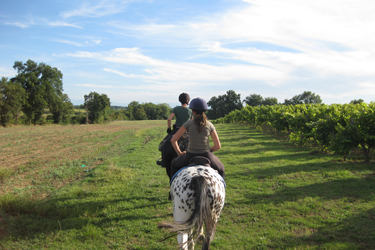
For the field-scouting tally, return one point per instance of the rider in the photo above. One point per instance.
(199, 129)
(182, 113)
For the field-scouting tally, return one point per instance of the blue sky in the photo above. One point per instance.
(151, 51)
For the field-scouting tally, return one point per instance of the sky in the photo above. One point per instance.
(153, 50)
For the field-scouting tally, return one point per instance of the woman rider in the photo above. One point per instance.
(199, 130)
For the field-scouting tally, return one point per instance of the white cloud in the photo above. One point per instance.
(18, 24)
(63, 24)
(69, 42)
(89, 42)
(300, 25)
(363, 90)
(289, 44)
(181, 72)
(7, 72)
(89, 85)
(103, 8)
(328, 38)
(349, 63)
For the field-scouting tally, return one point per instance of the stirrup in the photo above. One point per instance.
(159, 162)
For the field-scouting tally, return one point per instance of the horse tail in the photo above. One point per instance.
(201, 214)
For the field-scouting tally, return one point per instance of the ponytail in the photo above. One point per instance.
(200, 119)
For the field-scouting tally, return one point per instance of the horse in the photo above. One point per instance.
(198, 195)
(168, 153)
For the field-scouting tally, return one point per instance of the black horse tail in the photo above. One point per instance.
(201, 215)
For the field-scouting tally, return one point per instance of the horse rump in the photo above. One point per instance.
(200, 216)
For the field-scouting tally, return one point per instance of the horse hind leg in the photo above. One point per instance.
(182, 240)
(210, 233)
(201, 237)
(185, 241)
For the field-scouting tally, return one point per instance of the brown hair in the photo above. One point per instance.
(200, 119)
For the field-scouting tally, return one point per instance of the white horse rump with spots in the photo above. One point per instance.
(198, 194)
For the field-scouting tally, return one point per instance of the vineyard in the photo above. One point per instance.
(336, 128)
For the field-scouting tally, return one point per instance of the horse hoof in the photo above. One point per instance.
(200, 239)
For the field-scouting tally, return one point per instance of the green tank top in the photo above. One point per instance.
(182, 115)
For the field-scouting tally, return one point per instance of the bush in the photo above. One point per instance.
(78, 119)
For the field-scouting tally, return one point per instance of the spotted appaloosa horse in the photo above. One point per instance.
(198, 194)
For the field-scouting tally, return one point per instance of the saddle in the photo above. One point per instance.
(199, 160)
(195, 161)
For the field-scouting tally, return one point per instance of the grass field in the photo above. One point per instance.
(98, 187)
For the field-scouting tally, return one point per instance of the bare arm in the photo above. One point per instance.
(169, 122)
(216, 141)
(175, 138)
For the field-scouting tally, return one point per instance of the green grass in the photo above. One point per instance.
(278, 197)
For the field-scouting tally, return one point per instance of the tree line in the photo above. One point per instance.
(35, 96)
(224, 104)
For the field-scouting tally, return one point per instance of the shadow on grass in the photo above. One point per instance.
(27, 219)
(356, 229)
(355, 232)
(273, 172)
(352, 189)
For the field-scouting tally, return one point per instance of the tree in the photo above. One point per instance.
(136, 111)
(165, 111)
(224, 104)
(152, 111)
(269, 101)
(355, 101)
(97, 107)
(11, 99)
(254, 100)
(42, 85)
(60, 108)
(306, 97)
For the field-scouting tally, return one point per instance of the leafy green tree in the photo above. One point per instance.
(42, 84)
(224, 104)
(165, 111)
(97, 107)
(136, 111)
(140, 114)
(307, 97)
(269, 101)
(156, 111)
(254, 100)
(118, 114)
(11, 99)
(61, 108)
(355, 101)
(152, 111)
